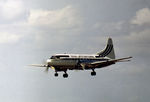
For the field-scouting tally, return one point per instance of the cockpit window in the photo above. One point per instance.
(53, 57)
(58, 56)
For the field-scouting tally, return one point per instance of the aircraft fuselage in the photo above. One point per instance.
(71, 63)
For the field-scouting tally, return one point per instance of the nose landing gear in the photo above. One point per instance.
(65, 75)
(56, 74)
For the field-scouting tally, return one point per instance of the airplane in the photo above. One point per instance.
(64, 62)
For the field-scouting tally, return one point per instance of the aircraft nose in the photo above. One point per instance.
(48, 61)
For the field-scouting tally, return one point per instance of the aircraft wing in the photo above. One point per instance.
(125, 59)
(38, 65)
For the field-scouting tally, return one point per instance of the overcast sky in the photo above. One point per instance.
(33, 30)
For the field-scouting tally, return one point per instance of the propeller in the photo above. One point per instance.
(46, 65)
(46, 69)
(82, 65)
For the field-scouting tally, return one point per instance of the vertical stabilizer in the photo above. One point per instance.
(108, 51)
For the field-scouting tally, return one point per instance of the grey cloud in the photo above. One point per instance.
(142, 17)
(63, 18)
(12, 11)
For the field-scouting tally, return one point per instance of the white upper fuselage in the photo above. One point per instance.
(73, 61)
(78, 55)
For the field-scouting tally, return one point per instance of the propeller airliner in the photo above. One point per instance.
(64, 62)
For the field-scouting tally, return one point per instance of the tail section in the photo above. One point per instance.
(108, 51)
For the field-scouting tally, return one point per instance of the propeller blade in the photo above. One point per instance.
(46, 70)
(83, 66)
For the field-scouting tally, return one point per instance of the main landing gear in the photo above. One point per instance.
(93, 73)
(65, 75)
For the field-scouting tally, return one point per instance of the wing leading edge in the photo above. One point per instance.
(38, 65)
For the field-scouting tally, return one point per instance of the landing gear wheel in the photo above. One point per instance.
(93, 73)
(56, 74)
(65, 75)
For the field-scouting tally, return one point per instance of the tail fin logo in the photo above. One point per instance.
(108, 51)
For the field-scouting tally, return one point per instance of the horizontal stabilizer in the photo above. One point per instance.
(121, 59)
